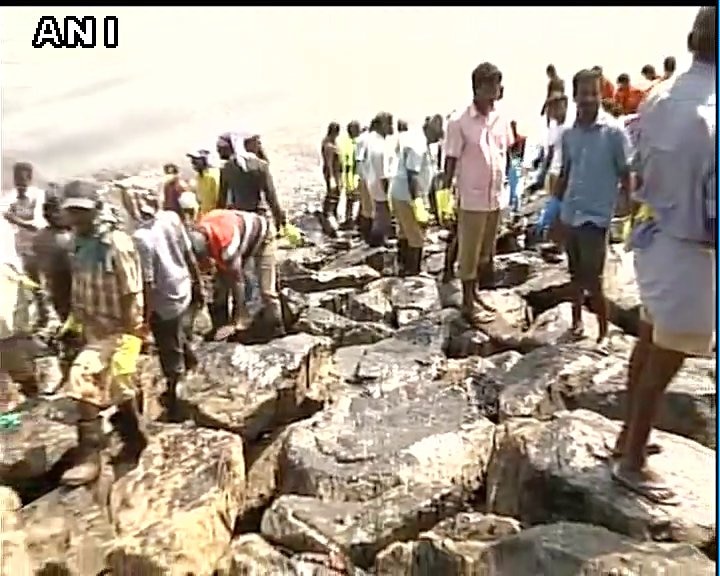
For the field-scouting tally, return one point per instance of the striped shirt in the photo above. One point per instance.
(234, 234)
(106, 268)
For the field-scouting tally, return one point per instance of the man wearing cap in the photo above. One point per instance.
(107, 303)
(173, 290)
(229, 238)
(207, 185)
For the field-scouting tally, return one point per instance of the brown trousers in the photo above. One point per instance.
(476, 232)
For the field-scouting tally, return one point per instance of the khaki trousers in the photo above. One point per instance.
(476, 241)
(408, 227)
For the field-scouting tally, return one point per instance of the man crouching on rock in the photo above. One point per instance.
(107, 304)
(229, 238)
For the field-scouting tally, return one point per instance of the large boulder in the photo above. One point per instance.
(454, 546)
(31, 452)
(372, 304)
(251, 555)
(177, 508)
(253, 389)
(68, 532)
(341, 330)
(543, 472)
(364, 445)
(567, 549)
(575, 376)
(358, 530)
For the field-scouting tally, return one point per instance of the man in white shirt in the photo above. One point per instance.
(411, 184)
(377, 173)
(23, 208)
(365, 216)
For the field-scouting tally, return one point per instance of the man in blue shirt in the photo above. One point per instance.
(594, 163)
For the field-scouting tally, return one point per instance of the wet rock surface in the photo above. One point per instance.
(382, 436)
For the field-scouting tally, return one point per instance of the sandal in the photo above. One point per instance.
(656, 492)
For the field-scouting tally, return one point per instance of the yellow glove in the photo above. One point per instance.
(71, 326)
(419, 211)
(445, 205)
(124, 359)
(293, 235)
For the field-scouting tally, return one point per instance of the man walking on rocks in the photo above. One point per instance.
(478, 139)
(593, 157)
(107, 303)
(674, 252)
(173, 290)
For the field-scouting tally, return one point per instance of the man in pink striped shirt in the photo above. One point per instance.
(476, 149)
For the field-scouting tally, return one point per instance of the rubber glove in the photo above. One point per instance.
(419, 211)
(293, 235)
(445, 205)
(550, 213)
(124, 359)
(71, 326)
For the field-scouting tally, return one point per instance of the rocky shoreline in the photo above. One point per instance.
(382, 436)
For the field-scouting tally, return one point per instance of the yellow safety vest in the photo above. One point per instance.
(350, 178)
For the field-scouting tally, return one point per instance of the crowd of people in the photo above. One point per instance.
(113, 286)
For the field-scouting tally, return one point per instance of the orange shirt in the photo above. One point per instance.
(607, 89)
(629, 99)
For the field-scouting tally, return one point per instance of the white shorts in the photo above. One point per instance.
(676, 280)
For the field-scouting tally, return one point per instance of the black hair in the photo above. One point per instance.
(584, 76)
(550, 70)
(669, 64)
(20, 167)
(597, 69)
(623, 79)
(702, 41)
(171, 169)
(486, 72)
(648, 70)
(352, 124)
(333, 127)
